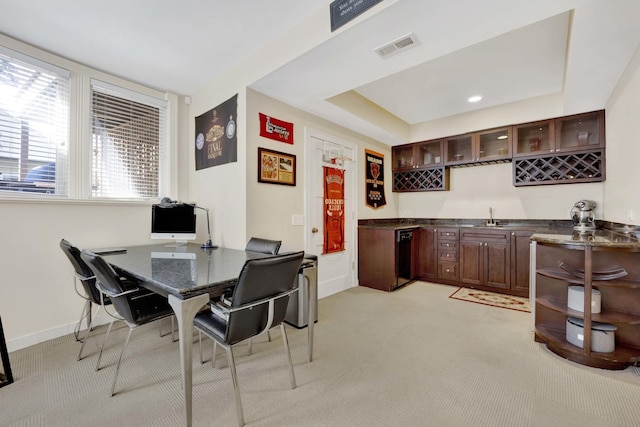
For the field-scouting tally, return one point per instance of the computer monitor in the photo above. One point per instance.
(175, 221)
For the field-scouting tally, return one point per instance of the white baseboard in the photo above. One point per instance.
(49, 334)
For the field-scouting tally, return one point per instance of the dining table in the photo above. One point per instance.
(189, 276)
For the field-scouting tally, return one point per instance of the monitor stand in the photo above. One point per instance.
(177, 244)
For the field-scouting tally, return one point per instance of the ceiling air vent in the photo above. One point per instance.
(396, 46)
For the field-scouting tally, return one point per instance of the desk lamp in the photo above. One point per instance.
(167, 202)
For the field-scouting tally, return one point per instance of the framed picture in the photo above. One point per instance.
(275, 167)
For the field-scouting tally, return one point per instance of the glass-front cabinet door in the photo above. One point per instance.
(580, 132)
(403, 157)
(483, 146)
(493, 144)
(428, 153)
(564, 134)
(458, 149)
(417, 155)
(533, 138)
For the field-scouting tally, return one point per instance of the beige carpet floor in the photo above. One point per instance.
(414, 357)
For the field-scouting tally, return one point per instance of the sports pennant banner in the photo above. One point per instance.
(333, 210)
(374, 179)
(273, 128)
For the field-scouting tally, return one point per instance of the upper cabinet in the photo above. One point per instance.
(418, 155)
(564, 134)
(478, 147)
(580, 132)
(562, 150)
(419, 167)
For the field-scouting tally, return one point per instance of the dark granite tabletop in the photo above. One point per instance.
(184, 271)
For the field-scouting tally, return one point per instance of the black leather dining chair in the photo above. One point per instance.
(259, 302)
(255, 244)
(132, 306)
(264, 246)
(91, 294)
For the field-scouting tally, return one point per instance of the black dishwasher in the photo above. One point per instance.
(404, 273)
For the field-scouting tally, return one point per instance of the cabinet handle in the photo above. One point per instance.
(485, 245)
(513, 233)
(480, 243)
(447, 245)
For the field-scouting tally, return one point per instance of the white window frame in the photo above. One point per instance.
(80, 142)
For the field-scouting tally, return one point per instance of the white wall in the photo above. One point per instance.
(220, 188)
(474, 189)
(269, 207)
(621, 189)
(37, 298)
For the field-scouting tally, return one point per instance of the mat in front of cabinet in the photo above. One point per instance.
(490, 298)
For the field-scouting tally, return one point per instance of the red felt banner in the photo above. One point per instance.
(273, 128)
(333, 210)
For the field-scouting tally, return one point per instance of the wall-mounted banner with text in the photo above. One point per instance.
(333, 210)
(216, 140)
(273, 128)
(374, 179)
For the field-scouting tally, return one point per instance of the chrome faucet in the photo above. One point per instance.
(491, 222)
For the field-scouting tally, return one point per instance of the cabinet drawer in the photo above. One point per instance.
(448, 255)
(498, 236)
(448, 271)
(447, 245)
(448, 234)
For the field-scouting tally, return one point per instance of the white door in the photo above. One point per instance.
(336, 271)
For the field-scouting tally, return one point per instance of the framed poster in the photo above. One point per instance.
(275, 167)
(216, 139)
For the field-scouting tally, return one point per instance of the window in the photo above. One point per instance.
(65, 134)
(34, 125)
(128, 142)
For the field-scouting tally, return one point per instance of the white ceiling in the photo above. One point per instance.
(505, 50)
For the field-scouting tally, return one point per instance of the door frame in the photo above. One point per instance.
(309, 133)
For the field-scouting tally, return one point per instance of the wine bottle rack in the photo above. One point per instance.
(559, 169)
(434, 179)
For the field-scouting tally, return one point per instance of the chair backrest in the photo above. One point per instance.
(261, 279)
(110, 281)
(265, 246)
(84, 273)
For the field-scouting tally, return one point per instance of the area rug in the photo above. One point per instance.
(492, 299)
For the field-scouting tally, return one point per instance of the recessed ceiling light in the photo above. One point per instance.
(474, 98)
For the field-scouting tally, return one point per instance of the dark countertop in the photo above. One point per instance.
(536, 226)
(609, 234)
(600, 238)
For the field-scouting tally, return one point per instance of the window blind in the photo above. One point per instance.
(34, 125)
(128, 143)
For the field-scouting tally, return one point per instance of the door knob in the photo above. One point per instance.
(314, 230)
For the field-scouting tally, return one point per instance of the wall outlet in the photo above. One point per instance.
(297, 219)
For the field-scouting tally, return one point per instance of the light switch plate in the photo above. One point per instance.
(297, 219)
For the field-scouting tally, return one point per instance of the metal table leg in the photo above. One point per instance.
(185, 311)
(310, 275)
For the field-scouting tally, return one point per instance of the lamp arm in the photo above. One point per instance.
(208, 244)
